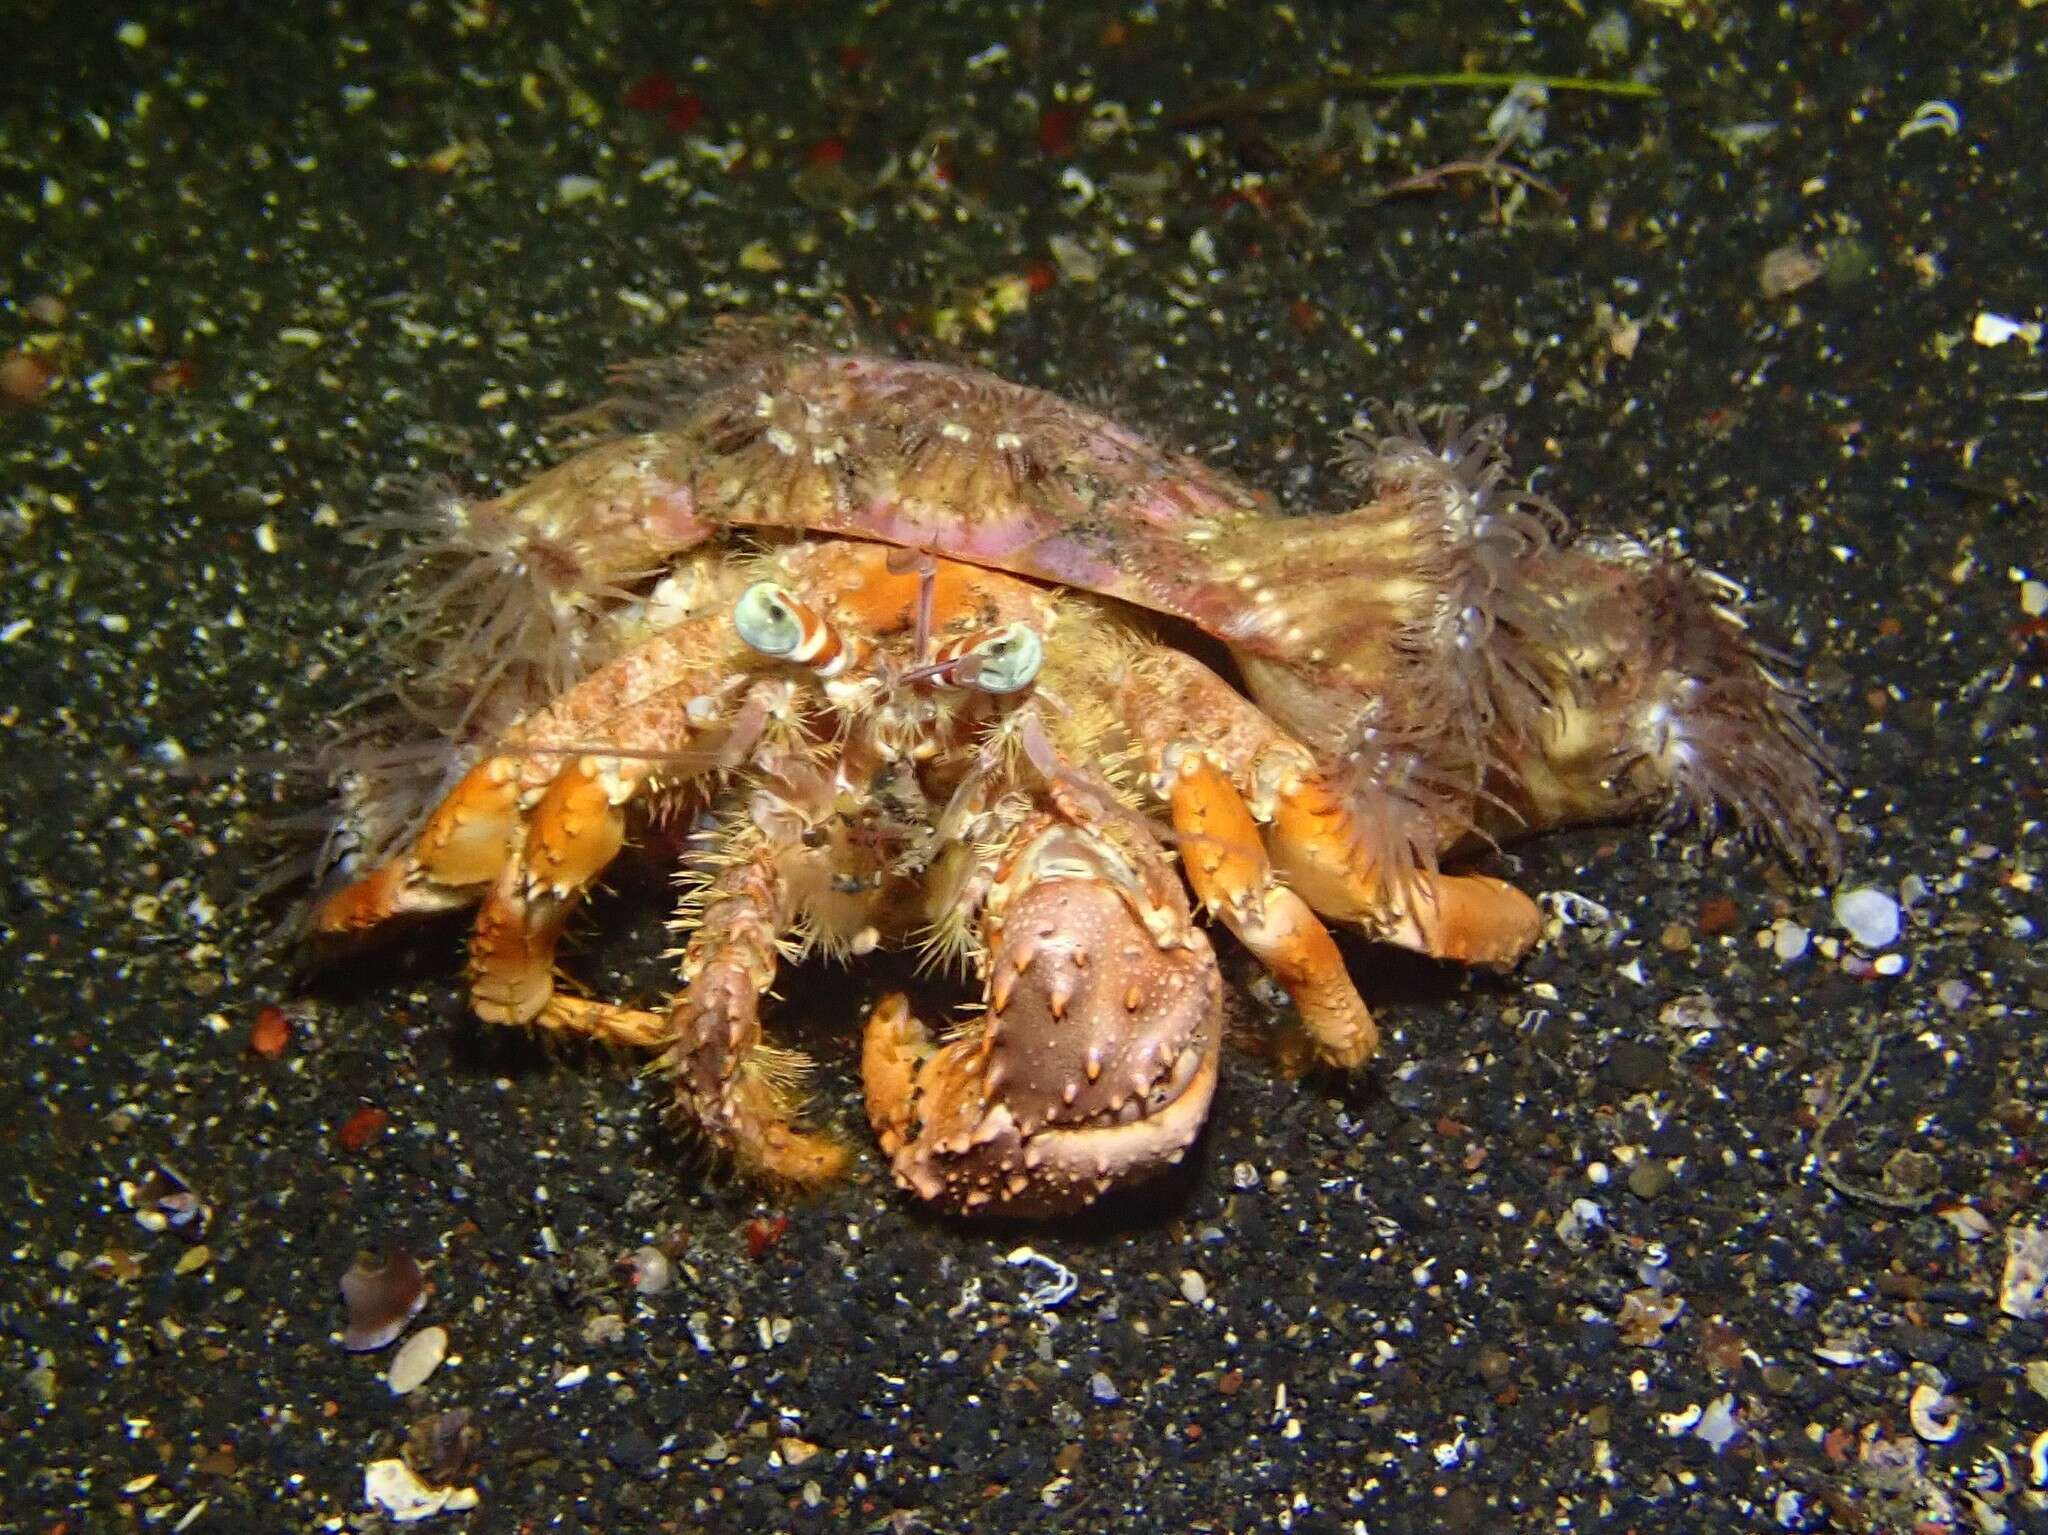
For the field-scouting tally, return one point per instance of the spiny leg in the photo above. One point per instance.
(1225, 861)
(732, 1084)
(1095, 1061)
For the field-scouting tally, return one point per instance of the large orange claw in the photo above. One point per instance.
(462, 847)
(1095, 1062)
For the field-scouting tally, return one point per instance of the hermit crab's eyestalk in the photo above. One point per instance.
(779, 624)
(1006, 661)
(999, 661)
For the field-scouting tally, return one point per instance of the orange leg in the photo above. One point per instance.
(530, 828)
(1470, 918)
(575, 828)
(1226, 862)
(464, 844)
(1169, 697)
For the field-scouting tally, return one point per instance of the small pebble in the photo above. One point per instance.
(1868, 915)
(632, 1450)
(2023, 1287)
(2034, 598)
(1788, 269)
(1717, 1425)
(1649, 1178)
(1789, 941)
(1718, 914)
(417, 1358)
(1103, 1389)
(1193, 1288)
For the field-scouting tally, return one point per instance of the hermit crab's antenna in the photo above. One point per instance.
(903, 561)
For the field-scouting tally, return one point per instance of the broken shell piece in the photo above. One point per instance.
(441, 1444)
(165, 1201)
(1644, 1315)
(1788, 269)
(1936, 1417)
(1967, 1222)
(420, 1357)
(2026, 1273)
(389, 1485)
(382, 1294)
(648, 1269)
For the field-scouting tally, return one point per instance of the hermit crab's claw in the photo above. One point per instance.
(1096, 1061)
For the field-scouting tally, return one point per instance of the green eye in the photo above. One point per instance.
(767, 620)
(1008, 660)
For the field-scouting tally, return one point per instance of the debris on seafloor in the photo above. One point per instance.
(166, 1200)
(393, 1488)
(439, 1447)
(2020, 1290)
(382, 1293)
(1869, 916)
(1936, 1416)
(648, 1269)
(417, 1359)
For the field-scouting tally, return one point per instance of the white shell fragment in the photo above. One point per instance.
(391, 1486)
(1718, 1426)
(2026, 1273)
(650, 1270)
(1990, 329)
(1936, 1416)
(416, 1359)
(1869, 916)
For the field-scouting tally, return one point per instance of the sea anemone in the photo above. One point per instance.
(1474, 655)
(493, 607)
(1711, 721)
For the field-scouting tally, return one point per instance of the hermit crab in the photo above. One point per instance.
(939, 659)
(901, 750)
